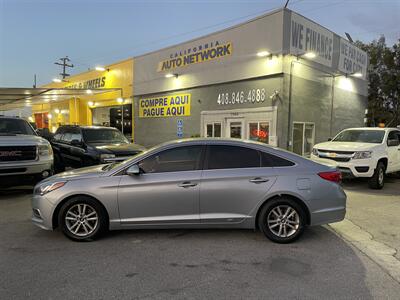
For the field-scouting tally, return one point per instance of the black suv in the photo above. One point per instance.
(80, 146)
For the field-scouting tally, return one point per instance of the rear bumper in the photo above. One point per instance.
(329, 215)
(330, 208)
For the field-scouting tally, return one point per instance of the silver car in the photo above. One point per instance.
(194, 183)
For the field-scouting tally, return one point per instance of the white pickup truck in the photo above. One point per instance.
(25, 157)
(363, 152)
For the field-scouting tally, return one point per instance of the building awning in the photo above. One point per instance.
(17, 97)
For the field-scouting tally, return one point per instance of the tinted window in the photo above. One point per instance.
(360, 136)
(229, 157)
(269, 160)
(394, 135)
(103, 135)
(173, 160)
(15, 126)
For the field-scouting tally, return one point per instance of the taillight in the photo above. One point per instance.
(334, 176)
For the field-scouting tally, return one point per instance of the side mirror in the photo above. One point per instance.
(133, 170)
(76, 143)
(330, 139)
(393, 142)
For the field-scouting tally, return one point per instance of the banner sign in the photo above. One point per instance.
(306, 36)
(352, 59)
(165, 106)
(95, 83)
(196, 55)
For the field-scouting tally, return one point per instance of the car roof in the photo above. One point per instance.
(372, 128)
(215, 141)
(87, 127)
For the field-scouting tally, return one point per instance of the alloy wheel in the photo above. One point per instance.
(283, 221)
(81, 219)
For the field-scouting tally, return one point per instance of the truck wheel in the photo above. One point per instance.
(377, 181)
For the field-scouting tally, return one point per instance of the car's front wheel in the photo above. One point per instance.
(82, 219)
(282, 220)
(377, 181)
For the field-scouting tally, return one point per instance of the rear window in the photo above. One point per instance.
(15, 126)
(231, 157)
(269, 160)
(106, 135)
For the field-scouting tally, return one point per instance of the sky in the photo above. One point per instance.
(36, 33)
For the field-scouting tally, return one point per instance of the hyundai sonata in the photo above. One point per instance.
(194, 183)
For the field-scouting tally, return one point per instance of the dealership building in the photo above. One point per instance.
(280, 79)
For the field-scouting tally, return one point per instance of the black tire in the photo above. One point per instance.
(267, 212)
(377, 181)
(58, 164)
(93, 229)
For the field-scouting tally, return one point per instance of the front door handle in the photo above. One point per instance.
(187, 184)
(258, 180)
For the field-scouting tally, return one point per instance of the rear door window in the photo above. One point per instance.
(270, 160)
(186, 158)
(232, 157)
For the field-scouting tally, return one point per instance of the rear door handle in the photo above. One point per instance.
(187, 184)
(259, 180)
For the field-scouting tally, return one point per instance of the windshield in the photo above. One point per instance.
(360, 136)
(15, 126)
(101, 136)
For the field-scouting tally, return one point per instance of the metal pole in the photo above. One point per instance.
(290, 105)
(76, 113)
(333, 95)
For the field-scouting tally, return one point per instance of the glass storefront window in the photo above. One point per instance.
(259, 131)
(213, 130)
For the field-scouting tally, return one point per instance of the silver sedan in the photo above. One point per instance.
(194, 183)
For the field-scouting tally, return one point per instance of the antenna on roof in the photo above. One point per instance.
(287, 2)
(349, 37)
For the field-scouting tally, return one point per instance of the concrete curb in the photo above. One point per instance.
(380, 253)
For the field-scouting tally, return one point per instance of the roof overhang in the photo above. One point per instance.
(18, 97)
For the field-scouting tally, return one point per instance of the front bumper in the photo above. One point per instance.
(26, 167)
(42, 211)
(352, 168)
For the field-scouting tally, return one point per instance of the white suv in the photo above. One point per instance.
(363, 152)
(24, 156)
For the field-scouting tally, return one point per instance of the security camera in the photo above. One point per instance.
(274, 95)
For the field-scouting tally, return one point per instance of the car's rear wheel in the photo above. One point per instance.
(82, 219)
(377, 181)
(282, 220)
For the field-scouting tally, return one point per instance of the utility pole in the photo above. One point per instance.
(34, 81)
(64, 64)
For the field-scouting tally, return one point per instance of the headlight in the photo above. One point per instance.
(103, 157)
(48, 187)
(315, 151)
(362, 154)
(45, 150)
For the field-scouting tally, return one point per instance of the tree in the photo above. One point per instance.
(384, 82)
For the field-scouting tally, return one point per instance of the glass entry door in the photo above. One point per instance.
(234, 128)
(303, 138)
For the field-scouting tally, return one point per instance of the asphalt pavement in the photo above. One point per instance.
(190, 264)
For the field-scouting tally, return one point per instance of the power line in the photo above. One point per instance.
(64, 65)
